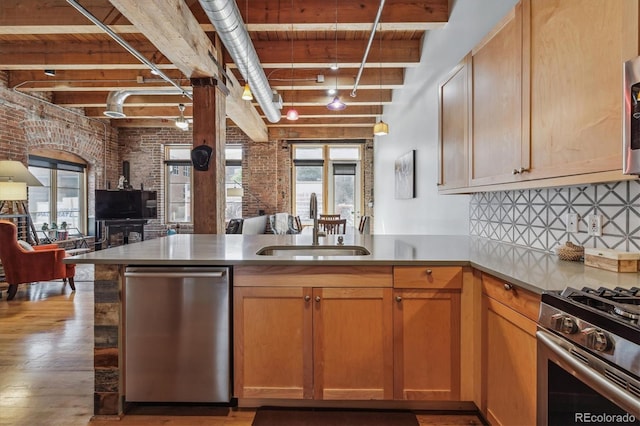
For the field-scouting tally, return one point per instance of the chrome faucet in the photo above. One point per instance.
(313, 214)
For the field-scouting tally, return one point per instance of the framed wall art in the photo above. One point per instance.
(405, 176)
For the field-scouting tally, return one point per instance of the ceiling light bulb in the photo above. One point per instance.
(181, 122)
(336, 104)
(246, 94)
(332, 92)
(381, 128)
(334, 67)
(292, 114)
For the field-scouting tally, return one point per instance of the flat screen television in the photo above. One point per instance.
(126, 204)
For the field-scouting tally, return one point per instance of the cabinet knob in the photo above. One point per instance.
(508, 286)
(317, 298)
(307, 298)
(519, 171)
(398, 298)
(429, 272)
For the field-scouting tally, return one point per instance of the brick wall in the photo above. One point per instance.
(30, 122)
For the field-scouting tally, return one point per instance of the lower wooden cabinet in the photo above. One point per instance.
(352, 343)
(313, 343)
(273, 342)
(509, 353)
(426, 333)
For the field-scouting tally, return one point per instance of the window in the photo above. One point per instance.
(233, 179)
(62, 198)
(333, 172)
(178, 184)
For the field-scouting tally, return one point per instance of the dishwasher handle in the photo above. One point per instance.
(178, 274)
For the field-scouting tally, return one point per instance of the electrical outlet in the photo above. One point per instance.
(572, 222)
(595, 224)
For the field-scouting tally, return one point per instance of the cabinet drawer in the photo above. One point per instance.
(518, 299)
(432, 277)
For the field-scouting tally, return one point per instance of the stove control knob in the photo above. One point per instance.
(596, 339)
(564, 324)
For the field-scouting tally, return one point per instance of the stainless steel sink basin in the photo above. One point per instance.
(313, 251)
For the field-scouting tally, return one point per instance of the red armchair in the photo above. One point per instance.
(44, 263)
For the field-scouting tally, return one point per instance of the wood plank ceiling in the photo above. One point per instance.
(296, 41)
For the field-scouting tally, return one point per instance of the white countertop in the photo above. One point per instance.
(532, 269)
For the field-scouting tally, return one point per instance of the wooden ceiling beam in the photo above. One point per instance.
(317, 133)
(109, 54)
(179, 38)
(309, 15)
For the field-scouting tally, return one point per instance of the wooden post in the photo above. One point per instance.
(209, 128)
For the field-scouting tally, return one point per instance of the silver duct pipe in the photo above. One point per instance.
(366, 51)
(115, 99)
(226, 18)
(127, 47)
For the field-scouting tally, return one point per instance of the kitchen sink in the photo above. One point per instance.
(313, 251)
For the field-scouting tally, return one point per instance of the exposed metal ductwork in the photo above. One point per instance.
(226, 18)
(115, 99)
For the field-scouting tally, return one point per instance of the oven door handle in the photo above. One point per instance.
(589, 376)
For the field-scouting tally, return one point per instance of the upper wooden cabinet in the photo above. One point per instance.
(497, 101)
(575, 50)
(454, 128)
(546, 96)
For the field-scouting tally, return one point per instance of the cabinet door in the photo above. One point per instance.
(426, 344)
(454, 128)
(509, 346)
(353, 345)
(273, 341)
(576, 53)
(497, 104)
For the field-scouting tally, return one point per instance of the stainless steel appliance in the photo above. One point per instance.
(631, 118)
(588, 344)
(177, 334)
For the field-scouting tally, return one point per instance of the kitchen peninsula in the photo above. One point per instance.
(442, 279)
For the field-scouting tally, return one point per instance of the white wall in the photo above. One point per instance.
(413, 122)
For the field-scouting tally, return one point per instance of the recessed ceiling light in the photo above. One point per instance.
(50, 73)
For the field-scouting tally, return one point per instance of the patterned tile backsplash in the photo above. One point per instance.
(537, 217)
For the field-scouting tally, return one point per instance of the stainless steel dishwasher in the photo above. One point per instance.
(177, 334)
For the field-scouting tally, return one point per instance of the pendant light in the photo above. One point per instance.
(336, 104)
(246, 93)
(292, 114)
(181, 122)
(381, 128)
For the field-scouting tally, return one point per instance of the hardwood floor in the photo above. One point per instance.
(46, 364)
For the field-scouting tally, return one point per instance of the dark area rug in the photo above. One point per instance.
(267, 416)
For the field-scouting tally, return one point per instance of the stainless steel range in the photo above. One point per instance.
(589, 357)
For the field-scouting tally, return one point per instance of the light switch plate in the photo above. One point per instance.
(572, 222)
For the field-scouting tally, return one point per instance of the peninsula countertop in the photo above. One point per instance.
(529, 268)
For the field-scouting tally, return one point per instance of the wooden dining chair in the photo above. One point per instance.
(329, 217)
(333, 226)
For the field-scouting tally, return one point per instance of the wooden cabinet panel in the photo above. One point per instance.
(427, 344)
(509, 318)
(272, 342)
(576, 53)
(454, 128)
(353, 350)
(510, 366)
(427, 277)
(496, 105)
(522, 301)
